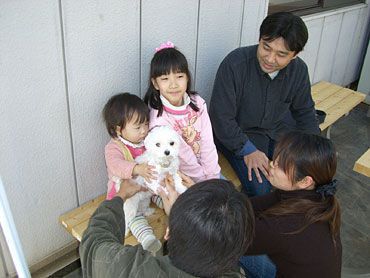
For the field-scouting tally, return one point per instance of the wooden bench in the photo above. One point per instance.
(228, 172)
(362, 165)
(335, 101)
(76, 220)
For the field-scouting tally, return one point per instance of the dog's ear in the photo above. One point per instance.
(148, 138)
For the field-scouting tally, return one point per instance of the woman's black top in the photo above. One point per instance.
(310, 253)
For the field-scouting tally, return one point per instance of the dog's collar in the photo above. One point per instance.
(165, 165)
(128, 143)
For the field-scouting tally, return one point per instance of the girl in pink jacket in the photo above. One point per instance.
(126, 117)
(172, 103)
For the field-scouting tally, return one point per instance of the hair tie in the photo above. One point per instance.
(327, 189)
(165, 45)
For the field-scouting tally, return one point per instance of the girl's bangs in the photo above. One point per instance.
(176, 64)
(138, 114)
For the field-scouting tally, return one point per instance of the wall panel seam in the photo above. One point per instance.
(352, 48)
(196, 48)
(266, 10)
(241, 25)
(256, 33)
(142, 94)
(336, 48)
(318, 50)
(67, 98)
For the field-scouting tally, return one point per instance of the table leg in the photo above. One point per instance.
(328, 132)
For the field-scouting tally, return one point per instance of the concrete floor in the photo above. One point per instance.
(351, 136)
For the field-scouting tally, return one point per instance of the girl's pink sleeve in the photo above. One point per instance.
(208, 152)
(116, 163)
(189, 163)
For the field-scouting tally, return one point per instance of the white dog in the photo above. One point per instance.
(162, 149)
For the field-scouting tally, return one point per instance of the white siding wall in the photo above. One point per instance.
(35, 147)
(311, 50)
(61, 60)
(335, 47)
(215, 40)
(164, 21)
(102, 39)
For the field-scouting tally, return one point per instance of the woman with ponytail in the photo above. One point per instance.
(298, 225)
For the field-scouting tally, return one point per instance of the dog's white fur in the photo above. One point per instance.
(162, 150)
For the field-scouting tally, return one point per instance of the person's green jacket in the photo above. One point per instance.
(103, 254)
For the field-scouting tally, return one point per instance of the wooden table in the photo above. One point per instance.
(335, 100)
(362, 165)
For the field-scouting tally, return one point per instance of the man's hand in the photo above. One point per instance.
(257, 161)
(144, 170)
(128, 189)
(170, 198)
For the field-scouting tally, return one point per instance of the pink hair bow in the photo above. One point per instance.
(165, 45)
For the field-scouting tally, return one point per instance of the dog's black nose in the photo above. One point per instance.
(166, 152)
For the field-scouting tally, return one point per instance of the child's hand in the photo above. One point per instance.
(187, 181)
(144, 170)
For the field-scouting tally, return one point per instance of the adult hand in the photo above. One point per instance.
(257, 161)
(128, 189)
(186, 181)
(170, 198)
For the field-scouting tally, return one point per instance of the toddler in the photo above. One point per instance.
(126, 117)
(172, 103)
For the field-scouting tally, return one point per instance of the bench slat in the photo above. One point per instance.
(320, 86)
(334, 99)
(326, 93)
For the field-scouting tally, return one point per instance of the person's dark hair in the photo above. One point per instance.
(164, 62)
(288, 26)
(211, 226)
(300, 155)
(121, 108)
